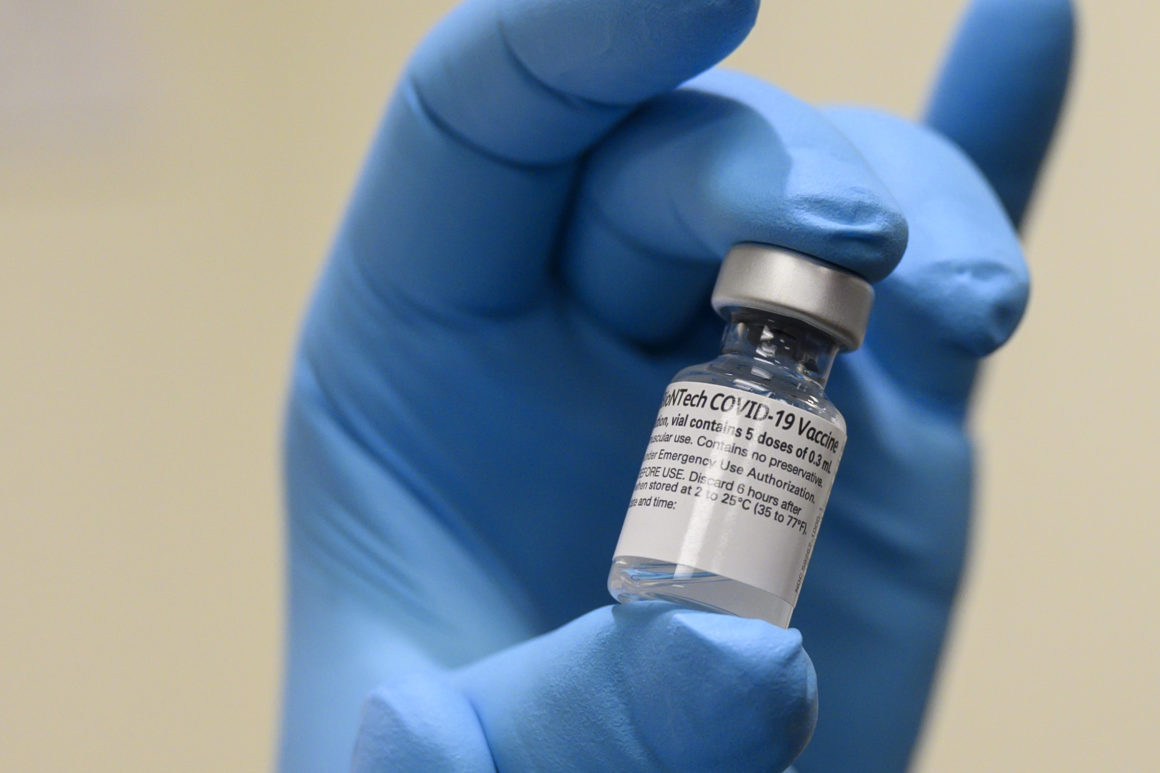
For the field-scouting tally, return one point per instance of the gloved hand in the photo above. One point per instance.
(525, 263)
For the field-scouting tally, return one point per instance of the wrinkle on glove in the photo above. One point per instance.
(635, 689)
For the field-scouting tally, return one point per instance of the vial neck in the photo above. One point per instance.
(780, 346)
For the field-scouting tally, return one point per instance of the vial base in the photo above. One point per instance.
(643, 579)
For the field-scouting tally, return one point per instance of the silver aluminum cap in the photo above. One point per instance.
(777, 280)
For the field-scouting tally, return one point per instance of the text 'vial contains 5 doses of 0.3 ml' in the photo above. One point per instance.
(745, 448)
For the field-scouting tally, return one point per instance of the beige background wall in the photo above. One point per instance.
(170, 174)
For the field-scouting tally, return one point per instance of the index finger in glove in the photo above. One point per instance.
(724, 159)
(464, 191)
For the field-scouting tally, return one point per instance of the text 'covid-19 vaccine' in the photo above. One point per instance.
(745, 448)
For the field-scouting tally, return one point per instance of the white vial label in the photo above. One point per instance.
(735, 484)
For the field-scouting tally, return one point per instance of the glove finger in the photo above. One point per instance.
(884, 571)
(1001, 88)
(726, 159)
(462, 196)
(647, 687)
(420, 723)
(962, 285)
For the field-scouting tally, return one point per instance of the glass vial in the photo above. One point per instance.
(744, 451)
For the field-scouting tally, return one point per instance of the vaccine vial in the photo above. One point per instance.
(744, 451)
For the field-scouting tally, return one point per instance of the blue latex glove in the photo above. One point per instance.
(524, 265)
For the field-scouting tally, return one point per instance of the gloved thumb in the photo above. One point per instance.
(642, 687)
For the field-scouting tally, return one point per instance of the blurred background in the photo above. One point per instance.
(170, 175)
